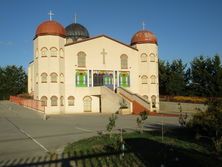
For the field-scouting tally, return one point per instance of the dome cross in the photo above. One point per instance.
(50, 15)
(143, 24)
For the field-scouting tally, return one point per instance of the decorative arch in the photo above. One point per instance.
(61, 53)
(87, 102)
(54, 77)
(145, 97)
(53, 51)
(144, 79)
(44, 52)
(81, 56)
(152, 57)
(44, 101)
(124, 61)
(44, 78)
(61, 101)
(71, 101)
(61, 78)
(54, 101)
(143, 57)
(153, 101)
(153, 79)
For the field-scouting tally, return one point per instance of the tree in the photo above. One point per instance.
(140, 120)
(206, 76)
(13, 81)
(111, 124)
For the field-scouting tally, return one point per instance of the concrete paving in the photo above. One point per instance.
(24, 133)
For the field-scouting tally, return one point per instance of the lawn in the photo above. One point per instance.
(177, 149)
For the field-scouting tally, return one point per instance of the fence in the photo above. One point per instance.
(34, 104)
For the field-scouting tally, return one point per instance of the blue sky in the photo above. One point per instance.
(185, 29)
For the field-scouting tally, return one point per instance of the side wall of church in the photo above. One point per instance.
(48, 61)
(148, 74)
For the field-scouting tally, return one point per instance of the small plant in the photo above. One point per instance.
(111, 124)
(182, 117)
(123, 104)
(140, 120)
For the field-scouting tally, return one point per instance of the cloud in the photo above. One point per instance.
(6, 43)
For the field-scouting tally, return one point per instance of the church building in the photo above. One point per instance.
(73, 72)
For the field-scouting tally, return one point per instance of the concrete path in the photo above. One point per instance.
(24, 133)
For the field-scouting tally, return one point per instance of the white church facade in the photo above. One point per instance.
(72, 72)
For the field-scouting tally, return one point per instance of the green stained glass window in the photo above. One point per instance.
(81, 79)
(124, 79)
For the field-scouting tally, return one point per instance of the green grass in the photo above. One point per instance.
(147, 149)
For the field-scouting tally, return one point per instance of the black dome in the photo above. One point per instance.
(75, 32)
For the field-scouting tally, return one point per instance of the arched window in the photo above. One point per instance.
(71, 101)
(36, 53)
(44, 52)
(54, 77)
(144, 79)
(61, 78)
(87, 101)
(143, 57)
(61, 101)
(54, 101)
(81, 59)
(153, 79)
(43, 101)
(145, 97)
(124, 61)
(44, 78)
(61, 53)
(37, 78)
(153, 100)
(53, 52)
(152, 57)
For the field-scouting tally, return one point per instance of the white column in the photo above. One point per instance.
(87, 78)
(117, 79)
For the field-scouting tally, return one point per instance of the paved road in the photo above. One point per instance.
(23, 132)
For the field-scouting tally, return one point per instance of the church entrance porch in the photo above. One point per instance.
(103, 78)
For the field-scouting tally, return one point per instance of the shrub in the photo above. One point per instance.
(140, 120)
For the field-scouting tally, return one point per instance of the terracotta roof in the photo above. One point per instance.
(143, 36)
(50, 28)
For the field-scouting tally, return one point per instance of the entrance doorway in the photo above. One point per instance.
(103, 79)
(87, 104)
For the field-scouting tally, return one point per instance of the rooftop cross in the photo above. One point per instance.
(75, 19)
(50, 15)
(143, 24)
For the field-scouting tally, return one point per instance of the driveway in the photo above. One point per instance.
(24, 133)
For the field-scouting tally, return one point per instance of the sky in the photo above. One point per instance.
(185, 29)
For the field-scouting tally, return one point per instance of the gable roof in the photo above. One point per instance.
(99, 36)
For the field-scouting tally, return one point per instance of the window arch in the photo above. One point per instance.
(44, 52)
(143, 57)
(153, 79)
(44, 77)
(53, 52)
(71, 101)
(144, 79)
(36, 53)
(61, 53)
(54, 101)
(145, 97)
(43, 101)
(153, 100)
(87, 101)
(61, 101)
(81, 59)
(61, 78)
(54, 77)
(124, 61)
(152, 57)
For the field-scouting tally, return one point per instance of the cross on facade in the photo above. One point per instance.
(104, 53)
(143, 24)
(50, 15)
